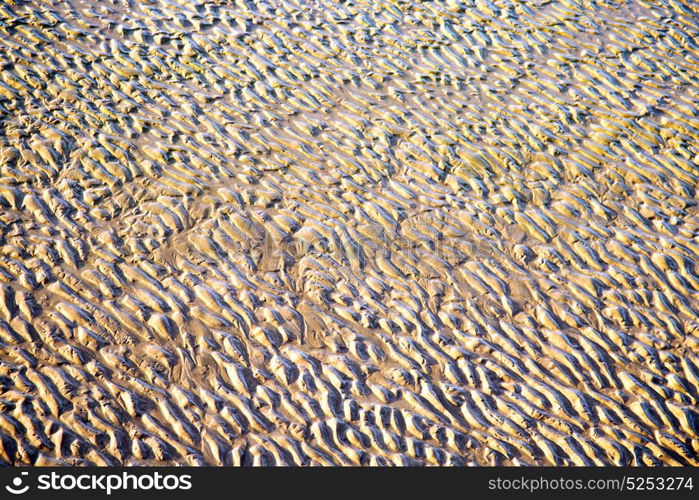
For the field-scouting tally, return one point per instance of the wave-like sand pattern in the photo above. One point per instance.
(319, 232)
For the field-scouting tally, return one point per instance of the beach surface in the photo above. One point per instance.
(457, 232)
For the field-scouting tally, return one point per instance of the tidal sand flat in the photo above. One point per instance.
(253, 232)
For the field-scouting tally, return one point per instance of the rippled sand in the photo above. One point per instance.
(312, 232)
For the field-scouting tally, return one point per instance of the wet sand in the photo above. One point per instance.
(359, 233)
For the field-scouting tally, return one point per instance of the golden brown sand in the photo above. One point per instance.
(364, 232)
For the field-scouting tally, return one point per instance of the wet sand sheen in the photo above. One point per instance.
(294, 232)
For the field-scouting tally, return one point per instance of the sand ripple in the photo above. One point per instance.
(313, 232)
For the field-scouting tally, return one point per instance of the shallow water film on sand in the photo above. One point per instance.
(361, 232)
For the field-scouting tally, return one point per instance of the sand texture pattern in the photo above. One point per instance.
(261, 232)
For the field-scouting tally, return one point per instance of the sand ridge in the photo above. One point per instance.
(376, 233)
